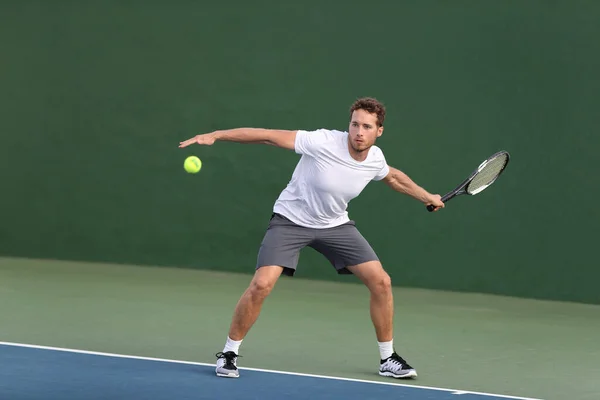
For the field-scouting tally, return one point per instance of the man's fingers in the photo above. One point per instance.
(186, 143)
(200, 139)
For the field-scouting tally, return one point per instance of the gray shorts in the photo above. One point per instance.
(342, 245)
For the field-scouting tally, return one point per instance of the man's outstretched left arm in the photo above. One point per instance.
(400, 182)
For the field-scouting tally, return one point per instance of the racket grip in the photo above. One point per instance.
(444, 199)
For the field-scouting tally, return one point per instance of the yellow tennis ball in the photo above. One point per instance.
(192, 164)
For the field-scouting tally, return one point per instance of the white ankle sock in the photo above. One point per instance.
(232, 345)
(385, 349)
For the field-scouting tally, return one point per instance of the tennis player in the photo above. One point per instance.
(334, 168)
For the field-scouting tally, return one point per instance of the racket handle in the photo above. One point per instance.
(444, 199)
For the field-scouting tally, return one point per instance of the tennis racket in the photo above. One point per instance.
(486, 174)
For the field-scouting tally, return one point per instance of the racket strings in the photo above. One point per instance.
(488, 174)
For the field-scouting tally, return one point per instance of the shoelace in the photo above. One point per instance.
(229, 357)
(397, 360)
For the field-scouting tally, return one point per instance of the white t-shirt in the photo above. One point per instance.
(326, 179)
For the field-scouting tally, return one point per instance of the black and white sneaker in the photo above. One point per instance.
(226, 365)
(396, 367)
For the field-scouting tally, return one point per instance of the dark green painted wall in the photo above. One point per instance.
(95, 97)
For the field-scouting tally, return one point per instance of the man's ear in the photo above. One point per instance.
(380, 131)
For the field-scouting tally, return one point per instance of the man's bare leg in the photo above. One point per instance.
(248, 307)
(245, 315)
(379, 284)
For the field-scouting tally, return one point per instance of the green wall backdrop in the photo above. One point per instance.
(95, 97)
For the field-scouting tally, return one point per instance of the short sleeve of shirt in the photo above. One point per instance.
(309, 142)
(385, 169)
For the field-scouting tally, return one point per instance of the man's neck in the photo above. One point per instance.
(358, 155)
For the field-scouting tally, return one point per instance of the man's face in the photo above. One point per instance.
(363, 130)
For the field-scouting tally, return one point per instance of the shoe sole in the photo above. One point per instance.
(410, 374)
(231, 375)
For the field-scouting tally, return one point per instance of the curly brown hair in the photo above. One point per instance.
(370, 105)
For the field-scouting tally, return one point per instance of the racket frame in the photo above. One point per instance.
(462, 187)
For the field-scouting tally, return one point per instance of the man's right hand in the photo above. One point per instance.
(206, 139)
(435, 200)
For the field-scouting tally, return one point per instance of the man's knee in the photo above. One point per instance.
(263, 282)
(373, 276)
(261, 287)
(381, 284)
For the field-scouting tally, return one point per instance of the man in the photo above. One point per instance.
(311, 211)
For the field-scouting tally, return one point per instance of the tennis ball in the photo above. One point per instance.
(192, 164)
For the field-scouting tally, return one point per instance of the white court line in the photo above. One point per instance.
(96, 353)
